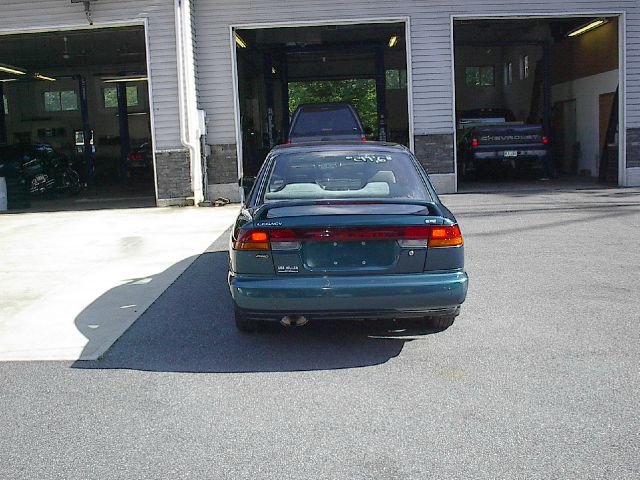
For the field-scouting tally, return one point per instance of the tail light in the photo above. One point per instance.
(252, 240)
(545, 140)
(363, 139)
(134, 156)
(445, 236)
(432, 236)
(474, 139)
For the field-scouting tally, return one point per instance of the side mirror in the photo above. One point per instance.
(247, 184)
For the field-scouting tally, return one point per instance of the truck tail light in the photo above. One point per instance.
(474, 139)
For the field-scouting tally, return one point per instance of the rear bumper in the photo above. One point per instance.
(383, 296)
(522, 153)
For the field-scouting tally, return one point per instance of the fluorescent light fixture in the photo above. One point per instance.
(125, 79)
(588, 27)
(240, 41)
(393, 41)
(4, 80)
(15, 71)
(43, 77)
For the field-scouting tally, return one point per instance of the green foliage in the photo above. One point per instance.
(480, 76)
(360, 93)
(111, 96)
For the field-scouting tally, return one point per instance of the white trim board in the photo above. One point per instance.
(75, 26)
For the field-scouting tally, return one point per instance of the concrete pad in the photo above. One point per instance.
(73, 282)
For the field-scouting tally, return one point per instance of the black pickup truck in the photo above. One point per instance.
(490, 138)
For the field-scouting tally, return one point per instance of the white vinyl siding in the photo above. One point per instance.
(51, 14)
(430, 46)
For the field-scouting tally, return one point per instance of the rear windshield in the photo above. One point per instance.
(325, 120)
(344, 175)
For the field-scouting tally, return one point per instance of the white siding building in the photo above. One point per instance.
(193, 87)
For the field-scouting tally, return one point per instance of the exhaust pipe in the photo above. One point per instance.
(294, 320)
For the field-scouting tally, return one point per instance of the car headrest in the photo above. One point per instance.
(386, 176)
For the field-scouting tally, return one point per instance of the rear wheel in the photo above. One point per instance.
(243, 323)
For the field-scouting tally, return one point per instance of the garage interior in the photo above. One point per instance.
(280, 68)
(562, 73)
(84, 93)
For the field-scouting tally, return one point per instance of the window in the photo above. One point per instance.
(480, 76)
(111, 97)
(396, 79)
(508, 73)
(79, 137)
(65, 101)
(344, 175)
(322, 120)
(524, 67)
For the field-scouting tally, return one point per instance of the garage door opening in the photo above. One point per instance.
(279, 69)
(78, 97)
(537, 98)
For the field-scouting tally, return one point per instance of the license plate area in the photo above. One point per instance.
(350, 255)
(510, 153)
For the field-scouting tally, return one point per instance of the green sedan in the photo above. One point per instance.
(349, 230)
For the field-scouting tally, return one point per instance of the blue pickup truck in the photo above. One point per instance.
(490, 139)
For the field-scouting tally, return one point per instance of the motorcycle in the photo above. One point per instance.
(53, 175)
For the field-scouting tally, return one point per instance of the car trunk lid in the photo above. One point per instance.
(342, 240)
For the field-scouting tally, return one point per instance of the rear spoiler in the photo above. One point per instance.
(261, 212)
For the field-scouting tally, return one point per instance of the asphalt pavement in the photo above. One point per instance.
(538, 377)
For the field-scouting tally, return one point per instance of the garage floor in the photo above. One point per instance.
(96, 198)
(563, 183)
(57, 267)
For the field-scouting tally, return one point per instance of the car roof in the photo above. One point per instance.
(340, 145)
(325, 104)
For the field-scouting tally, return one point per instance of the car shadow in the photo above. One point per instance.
(190, 328)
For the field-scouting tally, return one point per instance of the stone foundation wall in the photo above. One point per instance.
(173, 169)
(222, 164)
(633, 147)
(435, 152)
(222, 170)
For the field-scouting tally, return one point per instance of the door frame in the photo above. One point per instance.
(135, 22)
(315, 23)
(622, 51)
